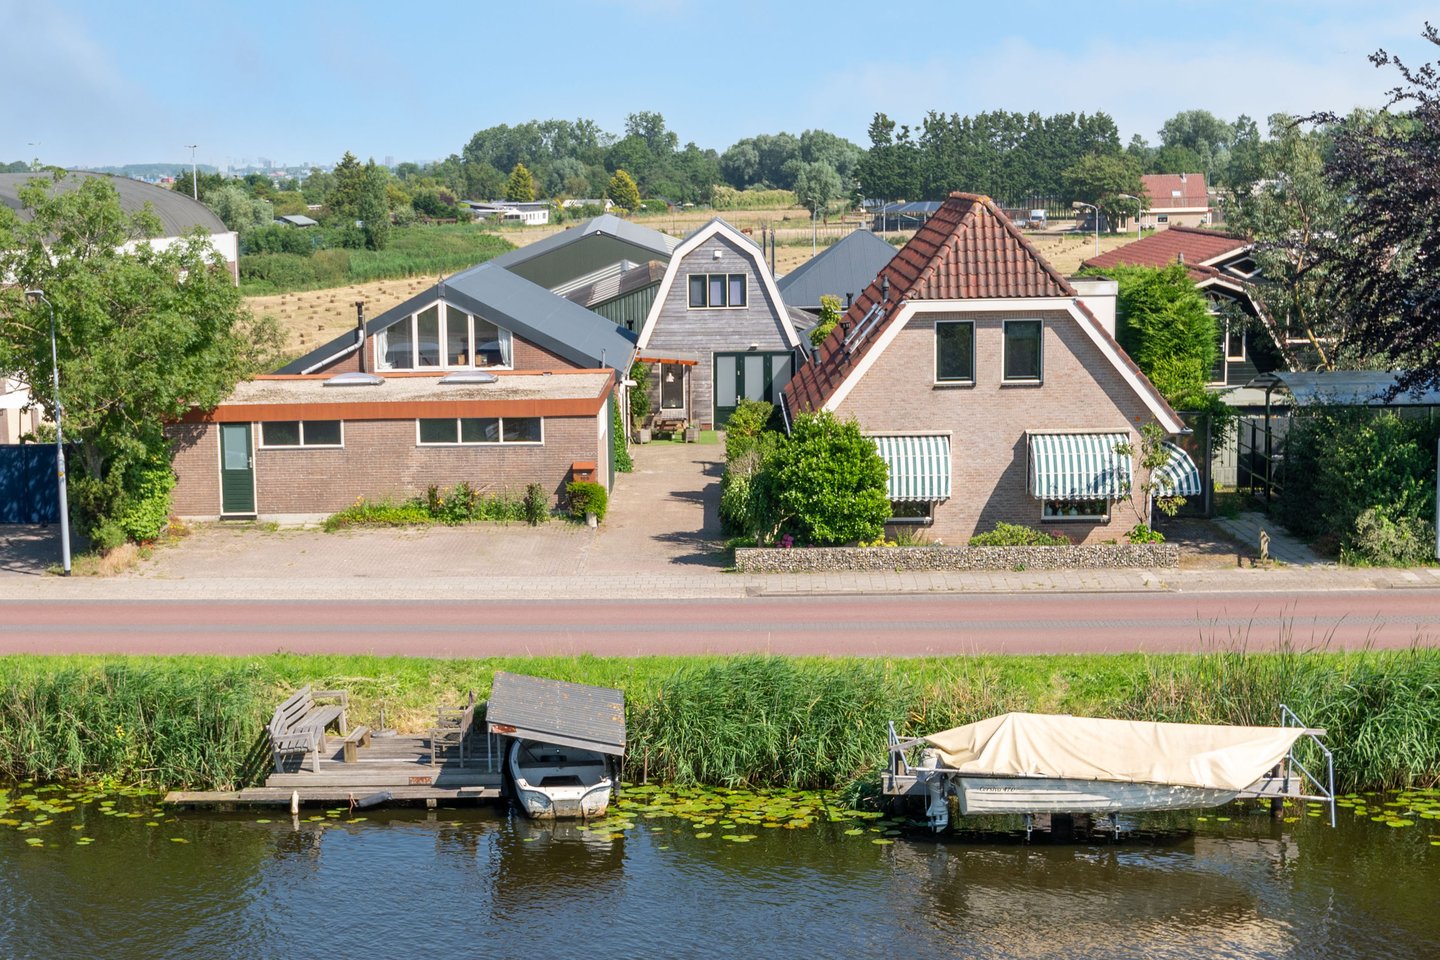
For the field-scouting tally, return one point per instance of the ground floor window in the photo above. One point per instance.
(451, 431)
(672, 386)
(912, 511)
(1076, 510)
(301, 433)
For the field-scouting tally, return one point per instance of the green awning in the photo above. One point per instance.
(919, 466)
(1179, 477)
(1078, 466)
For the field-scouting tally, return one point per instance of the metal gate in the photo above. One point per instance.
(29, 491)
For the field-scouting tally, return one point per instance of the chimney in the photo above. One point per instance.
(1181, 256)
(1182, 178)
(360, 331)
(848, 299)
(885, 290)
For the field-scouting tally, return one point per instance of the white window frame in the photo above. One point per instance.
(1162, 218)
(302, 445)
(689, 279)
(1005, 349)
(507, 341)
(502, 442)
(1229, 331)
(925, 521)
(935, 366)
(1081, 518)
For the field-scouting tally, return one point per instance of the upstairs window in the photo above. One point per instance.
(711, 290)
(1022, 351)
(443, 337)
(954, 351)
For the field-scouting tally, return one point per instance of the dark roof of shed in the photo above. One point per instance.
(845, 267)
(554, 711)
(628, 241)
(530, 312)
(178, 213)
(1164, 247)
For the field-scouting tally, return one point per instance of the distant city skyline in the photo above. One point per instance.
(92, 84)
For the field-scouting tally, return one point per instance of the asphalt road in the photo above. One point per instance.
(893, 625)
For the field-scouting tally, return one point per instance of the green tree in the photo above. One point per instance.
(1166, 327)
(622, 191)
(373, 210)
(241, 211)
(185, 183)
(816, 186)
(142, 336)
(1292, 211)
(520, 188)
(342, 202)
(825, 483)
(1101, 179)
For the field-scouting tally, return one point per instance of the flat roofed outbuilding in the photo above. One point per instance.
(559, 712)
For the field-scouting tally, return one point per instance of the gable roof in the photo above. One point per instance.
(1198, 249)
(1172, 191)
(584, 248)
(844, 267)
(178, 213)
(969, 250)
(624, 278)
(530, 312)
(747, 248)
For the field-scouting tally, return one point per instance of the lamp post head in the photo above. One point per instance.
(34, 296)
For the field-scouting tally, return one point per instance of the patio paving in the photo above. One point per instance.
(1246, 527)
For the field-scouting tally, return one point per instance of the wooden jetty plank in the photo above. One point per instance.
(280, 796)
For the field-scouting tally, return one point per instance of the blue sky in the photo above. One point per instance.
(109, 82)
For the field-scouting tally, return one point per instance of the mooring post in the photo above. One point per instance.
(294, 802)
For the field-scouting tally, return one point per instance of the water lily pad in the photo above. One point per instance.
(704, 835)
(178, 840)
(881, 841)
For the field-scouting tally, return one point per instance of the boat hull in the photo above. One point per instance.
(557, 783)
(992, 795)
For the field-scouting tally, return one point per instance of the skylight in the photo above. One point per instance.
(355, 378)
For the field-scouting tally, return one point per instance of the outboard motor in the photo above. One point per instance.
(937, 810)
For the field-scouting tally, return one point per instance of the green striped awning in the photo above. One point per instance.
(1179, 477)
(1078, 466)
(919, 466)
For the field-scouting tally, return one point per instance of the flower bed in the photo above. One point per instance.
(825, 559)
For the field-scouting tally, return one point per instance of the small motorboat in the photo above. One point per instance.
(558, 782)
(1039, 765)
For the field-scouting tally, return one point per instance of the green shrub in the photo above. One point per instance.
(536, 505)
(743, 430)
(639, 394)
(1379, 539)
(619, 449)
(735, 508)
(1340, 462)
(1017, 535)
(379, 513)
(824, 483)
(587, 497)
(145, 512)
(1144, 533)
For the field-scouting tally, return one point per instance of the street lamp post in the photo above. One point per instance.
(194, 176)
(1126, 196)
(1082, 203)
(38, 296)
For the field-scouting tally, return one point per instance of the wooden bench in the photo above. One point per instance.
(299, 724)
(452, 730)
(359, 737)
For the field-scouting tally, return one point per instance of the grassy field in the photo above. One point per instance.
(811, 722)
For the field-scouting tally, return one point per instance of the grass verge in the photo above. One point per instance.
(735, 721)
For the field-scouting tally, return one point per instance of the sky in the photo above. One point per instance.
(102, 82)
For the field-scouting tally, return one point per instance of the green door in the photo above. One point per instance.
(747, 376)
(237, 470)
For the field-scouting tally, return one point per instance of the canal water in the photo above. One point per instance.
(704, 874)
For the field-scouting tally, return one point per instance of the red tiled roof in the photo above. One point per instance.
(1164, 247)
(1161, 188)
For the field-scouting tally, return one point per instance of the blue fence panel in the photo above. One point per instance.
(29, 491)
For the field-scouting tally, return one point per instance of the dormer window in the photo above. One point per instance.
(444, 338)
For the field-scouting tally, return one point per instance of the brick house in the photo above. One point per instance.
(1175, 200)
(485, 377)
(1223, 268)
(719, 308)
(991, 389)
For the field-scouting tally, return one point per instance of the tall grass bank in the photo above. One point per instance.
(737, 721)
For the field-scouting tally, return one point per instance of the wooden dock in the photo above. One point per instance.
(398, 765)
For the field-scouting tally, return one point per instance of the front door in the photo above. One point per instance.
(237, 470)
(747, 376)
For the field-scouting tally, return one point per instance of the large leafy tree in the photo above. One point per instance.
(143, 334)
(520, 188)
(1166, 327)
(1102, 179)
(817, 185)
(622, 191)
(1293, 213)
(1386, 264)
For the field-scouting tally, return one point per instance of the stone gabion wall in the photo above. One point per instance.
(832, 559)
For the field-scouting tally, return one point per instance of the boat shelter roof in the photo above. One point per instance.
(555, 711)
(1125, 751)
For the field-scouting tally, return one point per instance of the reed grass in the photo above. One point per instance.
(754, 721)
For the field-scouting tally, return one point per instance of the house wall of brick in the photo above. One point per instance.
(380, 459)
(702, 332)
(987, 420)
